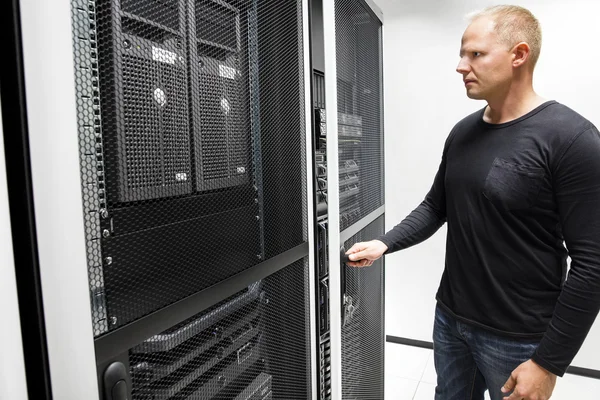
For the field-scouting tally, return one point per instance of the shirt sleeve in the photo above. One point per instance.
(577, 190)
(424, 220)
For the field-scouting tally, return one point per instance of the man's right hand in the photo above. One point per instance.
(365, 253)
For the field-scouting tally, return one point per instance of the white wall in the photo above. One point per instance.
(424, 98)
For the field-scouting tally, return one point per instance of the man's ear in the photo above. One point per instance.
(521, 53)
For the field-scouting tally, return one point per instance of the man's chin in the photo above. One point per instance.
(474, 96)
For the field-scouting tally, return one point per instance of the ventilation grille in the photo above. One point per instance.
(156, 128)
(142, 124)
(325, 369)
(360, 129)
(224, 145)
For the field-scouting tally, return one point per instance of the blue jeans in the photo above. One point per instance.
(469, 360)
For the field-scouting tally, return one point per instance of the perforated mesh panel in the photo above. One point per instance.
(363, 338)
(360, 134)
(192, 137)
(253, 345)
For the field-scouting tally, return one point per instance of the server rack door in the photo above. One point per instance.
(171, 186)
(363, 336)
(355, 177)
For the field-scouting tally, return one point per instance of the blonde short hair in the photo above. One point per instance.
(515, 24)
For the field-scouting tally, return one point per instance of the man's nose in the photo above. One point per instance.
(463, 67)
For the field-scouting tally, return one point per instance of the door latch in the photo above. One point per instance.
(349, 309)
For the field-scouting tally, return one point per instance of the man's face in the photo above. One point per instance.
(485, 63)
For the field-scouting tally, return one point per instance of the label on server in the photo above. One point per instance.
(163, 55)
(227, 72)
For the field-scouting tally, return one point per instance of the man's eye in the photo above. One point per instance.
(476, 54)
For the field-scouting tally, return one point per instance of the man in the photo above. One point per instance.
(517, 180)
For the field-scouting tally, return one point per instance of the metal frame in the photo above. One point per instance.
(333, 199)
(54, 148)
(255, 120)
(361, 224)
(13, 383)
(89, 103)
(382, 113)
(375, 9)
(310, 196)
(382, 122)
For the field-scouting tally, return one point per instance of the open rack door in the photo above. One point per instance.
(355, 167)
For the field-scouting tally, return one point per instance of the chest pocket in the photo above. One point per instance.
(512, 187)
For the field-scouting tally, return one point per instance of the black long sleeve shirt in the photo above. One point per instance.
(513, 195)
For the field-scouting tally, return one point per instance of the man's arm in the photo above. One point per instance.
(420, 224)
(577, 191)
(426, 219)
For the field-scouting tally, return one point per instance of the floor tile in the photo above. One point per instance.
(400, 388)
(425, 391)
(405, 361)
(429, 376)
(572, 387)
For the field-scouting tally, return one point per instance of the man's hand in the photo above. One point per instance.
(529, 382)
(365, 253)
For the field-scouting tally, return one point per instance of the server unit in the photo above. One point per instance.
(141, 71)
(223, 56)
(204, 355)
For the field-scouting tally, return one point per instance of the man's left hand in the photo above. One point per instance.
(530, 382)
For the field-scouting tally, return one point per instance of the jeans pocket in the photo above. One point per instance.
(442, 321)
(511, 186)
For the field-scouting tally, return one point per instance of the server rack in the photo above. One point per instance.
(174, 260)
(231, 124)
(158, 140)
